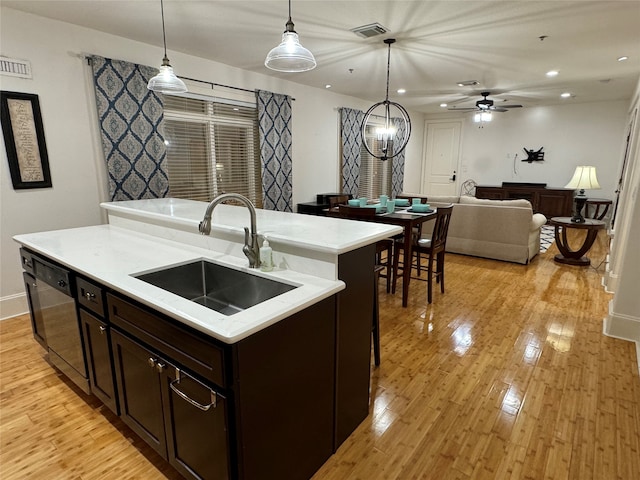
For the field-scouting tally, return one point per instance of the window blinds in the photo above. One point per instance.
(375, 174)
(212, 148)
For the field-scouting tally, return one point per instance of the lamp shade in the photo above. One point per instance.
(584, 178)
(166, 81)
(290, 55)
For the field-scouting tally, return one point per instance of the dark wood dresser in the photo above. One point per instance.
(551, 202)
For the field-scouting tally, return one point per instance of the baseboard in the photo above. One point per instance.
(13, 305)
(610, 281)
(624, 327)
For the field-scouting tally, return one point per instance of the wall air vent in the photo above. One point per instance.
(15, 68)
(371, 30)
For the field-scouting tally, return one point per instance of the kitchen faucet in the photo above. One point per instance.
(251, 248)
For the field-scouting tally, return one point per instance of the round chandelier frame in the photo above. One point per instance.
(385, 135)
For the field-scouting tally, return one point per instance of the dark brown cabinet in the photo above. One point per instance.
(184, 419)
(551, 202)
(139, 390)
(96, 335)
(275, 404)
(99, 359)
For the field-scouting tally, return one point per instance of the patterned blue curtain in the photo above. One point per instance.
(274, 116)
(130, 118)
(351, 138)
(397, 167)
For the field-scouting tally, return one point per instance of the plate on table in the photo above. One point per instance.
(411, 210)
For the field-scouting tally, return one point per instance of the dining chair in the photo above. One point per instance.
(382, 246)
(434, 247)
(338, 200)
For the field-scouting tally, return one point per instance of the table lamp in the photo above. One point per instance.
(583, 177)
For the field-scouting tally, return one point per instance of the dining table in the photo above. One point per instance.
(408, 220)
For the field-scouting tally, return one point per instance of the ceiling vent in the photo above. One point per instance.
(15, 68)
(371, 30)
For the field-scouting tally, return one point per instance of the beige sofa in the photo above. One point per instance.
(498, 229)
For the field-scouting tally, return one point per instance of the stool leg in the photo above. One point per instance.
(376, 322)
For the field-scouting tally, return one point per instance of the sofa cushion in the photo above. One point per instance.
(501, 203)
(442, 199)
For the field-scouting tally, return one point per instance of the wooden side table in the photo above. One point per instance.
(597, 203)
(575, 257)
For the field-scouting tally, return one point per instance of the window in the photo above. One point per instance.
(375, 174)
(212, 148)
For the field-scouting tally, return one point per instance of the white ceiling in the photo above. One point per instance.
(439, 43)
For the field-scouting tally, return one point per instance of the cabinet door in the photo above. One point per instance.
(99, 359)
(139, 391)
(196, 425)
(37, 324)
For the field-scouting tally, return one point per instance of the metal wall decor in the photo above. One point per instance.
(385, 134)
(24, 140)
(534, 155)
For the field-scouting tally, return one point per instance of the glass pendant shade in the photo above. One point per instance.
(166, 81)
(290, 56)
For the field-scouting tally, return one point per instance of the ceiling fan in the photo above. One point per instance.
(486, 105)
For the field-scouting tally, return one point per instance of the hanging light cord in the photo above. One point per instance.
(164, 36)
(289, 25)
(388, 41)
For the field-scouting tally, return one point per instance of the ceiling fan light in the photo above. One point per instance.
(485, 116)
(290, 55)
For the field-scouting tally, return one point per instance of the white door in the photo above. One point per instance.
(440, 163)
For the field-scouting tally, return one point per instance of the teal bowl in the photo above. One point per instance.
(402, 202)
(420, 207)
(354, 202)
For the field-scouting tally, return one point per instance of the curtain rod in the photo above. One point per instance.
(88, 59)
(220, 85)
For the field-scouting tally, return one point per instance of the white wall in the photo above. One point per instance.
(571, 134)
(61, 79)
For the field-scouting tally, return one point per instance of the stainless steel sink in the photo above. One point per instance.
(223, 289)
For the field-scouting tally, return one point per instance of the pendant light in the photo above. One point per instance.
(290, 56)
(392, 130)
(166, 81)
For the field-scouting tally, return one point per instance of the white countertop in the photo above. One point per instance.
(320, 234)
(111, 255)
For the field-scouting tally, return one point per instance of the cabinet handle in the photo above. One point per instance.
(204, 408)
(151, 362)
(90, 296)
(102, 329)
(160, 367)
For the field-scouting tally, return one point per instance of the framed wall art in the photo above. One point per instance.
(24, 140)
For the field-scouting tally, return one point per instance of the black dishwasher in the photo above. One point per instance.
(54, 316)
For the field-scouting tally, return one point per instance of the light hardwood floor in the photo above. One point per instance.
(505, 376)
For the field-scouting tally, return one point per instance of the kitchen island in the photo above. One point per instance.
(289, 377)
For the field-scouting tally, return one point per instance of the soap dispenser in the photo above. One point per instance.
(266, 256)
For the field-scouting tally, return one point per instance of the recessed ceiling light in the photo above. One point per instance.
(468, 83)
(565, 95)
(623, 58)
(327, 86)
(402, 90)
(552, 73)
(443, 105)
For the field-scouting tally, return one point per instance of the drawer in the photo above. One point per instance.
(194, 350)
(91, 296)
